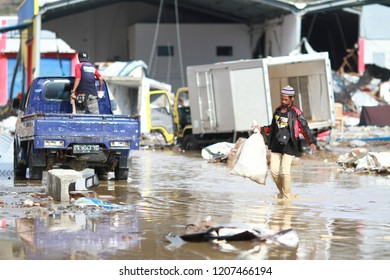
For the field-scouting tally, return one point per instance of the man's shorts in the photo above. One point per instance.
(93, 104)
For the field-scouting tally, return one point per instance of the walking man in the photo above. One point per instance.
(84, 90)
(287, 122)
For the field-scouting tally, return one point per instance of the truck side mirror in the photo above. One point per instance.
(16, 103)
(114, 104)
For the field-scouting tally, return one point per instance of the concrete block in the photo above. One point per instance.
(58, 181)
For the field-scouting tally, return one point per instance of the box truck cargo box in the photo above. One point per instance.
(226, 97)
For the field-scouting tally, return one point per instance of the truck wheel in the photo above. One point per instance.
(101, 173)
(35, 172)
(121, 173)
(19, 170)
(189, 142)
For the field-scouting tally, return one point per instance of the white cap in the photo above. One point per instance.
(288, 90)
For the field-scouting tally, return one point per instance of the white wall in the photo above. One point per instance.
(282, 35)
(375, 21)
(374, 29)
(102, 32)
(198, 46)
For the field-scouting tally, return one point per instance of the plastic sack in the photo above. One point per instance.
(218, 151)
(252, 159)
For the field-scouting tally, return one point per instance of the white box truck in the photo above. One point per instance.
(137, 94)
(226, 97)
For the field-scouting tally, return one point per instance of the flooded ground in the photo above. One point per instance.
(336, 216)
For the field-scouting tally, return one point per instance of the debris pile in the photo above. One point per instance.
(360, 160)
(355, 91)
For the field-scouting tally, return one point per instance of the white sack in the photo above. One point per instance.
(252, 159)
(217, 150)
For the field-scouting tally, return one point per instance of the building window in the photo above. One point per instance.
(165, 50)
(225, 51)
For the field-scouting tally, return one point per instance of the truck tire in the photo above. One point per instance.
(189, 142)
(101, 173)
(19, 170)
(121, 173)
(35, 172)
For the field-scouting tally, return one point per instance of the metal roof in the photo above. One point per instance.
(242, 11)
(49, 42)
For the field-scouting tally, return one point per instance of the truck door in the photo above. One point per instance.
(206, 100)
(160, 116)
(182, 111)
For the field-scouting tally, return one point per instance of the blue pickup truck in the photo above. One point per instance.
(48, 135)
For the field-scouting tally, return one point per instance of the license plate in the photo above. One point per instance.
(84, 149)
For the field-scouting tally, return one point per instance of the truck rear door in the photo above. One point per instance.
(206, 102)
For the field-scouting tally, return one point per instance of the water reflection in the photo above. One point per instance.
(77, 236)
(336, 215)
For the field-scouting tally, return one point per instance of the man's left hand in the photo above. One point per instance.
(313, 148)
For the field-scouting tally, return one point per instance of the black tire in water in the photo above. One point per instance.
(121, 173)
(189, 143)
(19, 170)
(35, 172)
(101, 173)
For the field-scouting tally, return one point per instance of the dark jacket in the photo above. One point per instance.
(297, 124)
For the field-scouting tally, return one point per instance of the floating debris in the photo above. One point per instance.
(234, 232)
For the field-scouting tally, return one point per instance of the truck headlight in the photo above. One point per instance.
(53, 143)
(120, 144)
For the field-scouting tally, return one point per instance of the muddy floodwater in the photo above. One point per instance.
(337, 215)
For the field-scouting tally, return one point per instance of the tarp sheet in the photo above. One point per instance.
(375, 115)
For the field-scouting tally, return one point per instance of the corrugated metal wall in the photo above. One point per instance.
(6, 154)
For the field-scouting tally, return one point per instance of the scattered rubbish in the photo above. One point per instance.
(28, 203)
(357, 143)
(91, 201)
(106, 197)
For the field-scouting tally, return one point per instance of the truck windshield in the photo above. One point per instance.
(160, 111)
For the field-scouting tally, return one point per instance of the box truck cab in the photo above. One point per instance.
(160, 117)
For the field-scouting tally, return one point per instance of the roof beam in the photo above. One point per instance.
(19, 26)
(337, 5)
(279, 5)
(322, 6)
